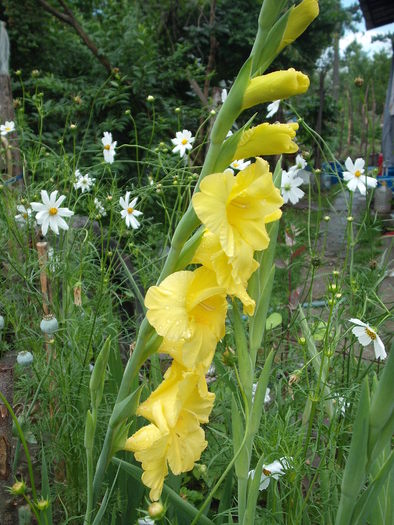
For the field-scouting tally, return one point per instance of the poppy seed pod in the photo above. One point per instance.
(49, 324)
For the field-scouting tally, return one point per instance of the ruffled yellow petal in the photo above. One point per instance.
(210, 205)
(275, 86)
(180, 391)
(299, 20)
(187, 444)
(166, 306)
(231, 273)
(267, 139)
(252, 201)
(189, 307)
(150, 447)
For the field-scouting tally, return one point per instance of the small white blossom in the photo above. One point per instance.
(342, 404)
(109, 147)
(366, 335)
(355, 178)
(24, 215)
(129, 213)
(7, 127)
(290, 187)
(49, 213)
(273, 470)
(239, 164)
(272, 108)
(300, 164)
(83, 182)
(99, 207)
(223, 95)
(145, 521)
(183, 141)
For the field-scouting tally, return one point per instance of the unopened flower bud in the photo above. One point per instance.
(127, 112)
(212, 112)
(358, 81)
(302, 340)
(42, 504)
(150, 98)
(73, 127)
(350, 219)
(35, 73)
(177, 110)
(326, 218)
(18, 488)
(156, 510)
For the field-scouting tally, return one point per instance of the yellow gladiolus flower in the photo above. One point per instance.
(189, 308)
(275, 86)
(232, 273)
(267, 139)
(236, 209)
(175, 438)
(299, 20)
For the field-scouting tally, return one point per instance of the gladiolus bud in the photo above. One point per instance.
(299, 20)
(274, 86)
(267, 139)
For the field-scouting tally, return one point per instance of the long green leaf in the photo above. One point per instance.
(354, 474)
(368, 499)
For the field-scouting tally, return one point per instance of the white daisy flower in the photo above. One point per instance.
(49, 213)
(366, 335)
(272, 108)
(273, 470)
(84, 182)
(7, 127)
(24, 214)
(183, 141)
(239, 164)
(109, 147)
(267, 397)
(99, 207)
(290, 187)
(129, 213)
(355, 178)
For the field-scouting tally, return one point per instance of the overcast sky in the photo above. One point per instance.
(364, 37)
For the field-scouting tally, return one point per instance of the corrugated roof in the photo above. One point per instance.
(377, 12)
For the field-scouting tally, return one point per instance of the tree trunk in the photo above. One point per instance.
(8, 511)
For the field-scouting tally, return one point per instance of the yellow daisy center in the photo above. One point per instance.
(370, 333)
(52, 211)
(130, 210)
(8, 128)
(107, 147)
(25, 215)
(184, 141)
(357, 173)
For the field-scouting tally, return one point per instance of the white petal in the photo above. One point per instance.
(359, 164)
(378, 346)
(37, 206)
(52, 199)
(357, 321)
(59, 201)
(41, 214)
(65, 212)
(352, 184)
(349, 165)
(134, 223)
(137, 213)
(45, 224)
(133, 202)
(371, 182)
(62, 223)
(54, 225)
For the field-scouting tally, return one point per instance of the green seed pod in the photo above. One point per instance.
(49, 324)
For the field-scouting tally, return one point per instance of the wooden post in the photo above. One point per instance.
(42, 250)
